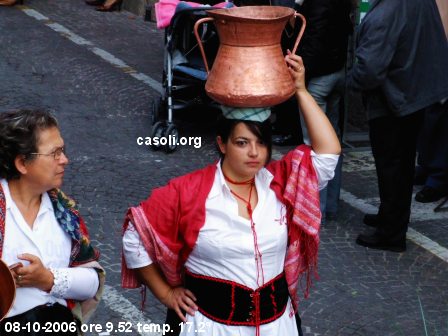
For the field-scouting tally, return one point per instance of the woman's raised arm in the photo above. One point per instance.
(322, 135)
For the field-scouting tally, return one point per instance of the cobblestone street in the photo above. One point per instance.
(99, 74)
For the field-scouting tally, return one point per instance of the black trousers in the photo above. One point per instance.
(394, 141)
(174, 321)
(432, 147)
(44, 320)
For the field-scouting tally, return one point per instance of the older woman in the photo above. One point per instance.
(41, 231)
(227, 244)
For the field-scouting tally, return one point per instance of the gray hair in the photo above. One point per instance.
(19, 135)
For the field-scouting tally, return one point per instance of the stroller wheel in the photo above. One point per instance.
(157, 132)
(172, 135)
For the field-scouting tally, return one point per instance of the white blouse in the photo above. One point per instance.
(225, 246)
(52, 245)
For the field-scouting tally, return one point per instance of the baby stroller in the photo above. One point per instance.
(184, 74)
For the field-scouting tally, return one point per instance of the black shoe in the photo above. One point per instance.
(429, 194)
(284, 140)
(370, 220)
(375, 241)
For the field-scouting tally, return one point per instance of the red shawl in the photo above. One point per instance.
(169, 221)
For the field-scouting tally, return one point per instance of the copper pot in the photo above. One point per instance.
(7, 290)
(249, 69)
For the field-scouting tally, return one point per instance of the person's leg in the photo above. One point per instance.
(323, 194)
(335, 114)
(438, 179)
(435, 187)
(393, 142)
(432, 149)
(399, 165)
(334, 191)
(327, 92)
(383, 144)
(320, 89)
(433, 154)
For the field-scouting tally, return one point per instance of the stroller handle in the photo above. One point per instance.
(201, 47)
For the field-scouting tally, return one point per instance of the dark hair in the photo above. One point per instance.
(19, 132)
(262, 130)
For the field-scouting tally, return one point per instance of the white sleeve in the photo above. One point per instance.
(324, 164)
(133, 250)
(76, 283)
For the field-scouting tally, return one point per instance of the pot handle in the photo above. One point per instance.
(201, 47)
(302, 29)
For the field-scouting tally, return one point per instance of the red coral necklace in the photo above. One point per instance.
(258, 256)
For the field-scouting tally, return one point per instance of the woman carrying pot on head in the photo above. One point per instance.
(224, 247)
(57, 275)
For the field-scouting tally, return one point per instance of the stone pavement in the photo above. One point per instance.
(98, 72)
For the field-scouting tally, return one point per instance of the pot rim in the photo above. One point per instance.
(227, 13)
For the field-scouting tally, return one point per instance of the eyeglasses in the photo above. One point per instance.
(57, 153)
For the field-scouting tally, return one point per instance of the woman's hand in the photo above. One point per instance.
(175, 298)
(323, 137)
(13, 268)
(179, 299)
(297, 70)
(34, 275)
